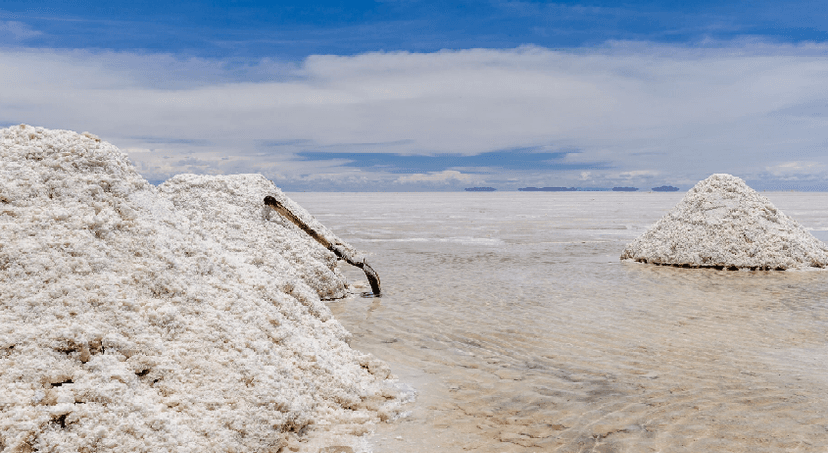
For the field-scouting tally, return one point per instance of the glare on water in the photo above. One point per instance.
(520, 329)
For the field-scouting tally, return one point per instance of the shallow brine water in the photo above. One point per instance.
(513, 318)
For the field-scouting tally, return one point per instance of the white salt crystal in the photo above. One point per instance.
(180, 318)
(723, 223)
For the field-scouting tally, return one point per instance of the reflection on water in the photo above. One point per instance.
(522, 331)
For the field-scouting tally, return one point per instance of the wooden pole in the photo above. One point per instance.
(339, 251)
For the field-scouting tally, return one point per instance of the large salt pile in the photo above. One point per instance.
(181, 318)
(723, 223)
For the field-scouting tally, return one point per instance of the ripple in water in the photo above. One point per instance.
(537, 338)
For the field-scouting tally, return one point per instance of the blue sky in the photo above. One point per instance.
(417, 95)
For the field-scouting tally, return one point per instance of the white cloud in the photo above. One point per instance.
(16, 31)
(684, 113)
(797, 168)
(638, 174)
(444, 177)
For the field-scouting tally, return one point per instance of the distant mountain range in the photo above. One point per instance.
(665, 189)
(575, 189)
(479, 189)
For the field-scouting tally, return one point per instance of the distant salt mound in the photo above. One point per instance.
(180, 319)
(723, 223)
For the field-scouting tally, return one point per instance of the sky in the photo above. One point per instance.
(399, 95)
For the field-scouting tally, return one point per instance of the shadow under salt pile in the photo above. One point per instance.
(723, 223)
(182, 318)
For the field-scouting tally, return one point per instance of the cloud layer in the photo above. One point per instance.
(629, 113)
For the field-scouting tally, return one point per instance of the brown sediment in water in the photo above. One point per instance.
(716, 267)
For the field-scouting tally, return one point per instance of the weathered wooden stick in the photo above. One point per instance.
(339, 251)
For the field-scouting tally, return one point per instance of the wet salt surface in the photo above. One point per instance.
(513, 318)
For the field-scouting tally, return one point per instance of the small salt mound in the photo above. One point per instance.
(181, 318)
(723, 223)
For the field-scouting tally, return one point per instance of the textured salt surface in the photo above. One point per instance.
(180, 318)
(722, 222)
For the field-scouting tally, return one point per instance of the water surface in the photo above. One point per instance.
(521, 330)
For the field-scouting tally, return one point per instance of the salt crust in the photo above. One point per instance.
(181, 318)
(723, 223)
